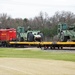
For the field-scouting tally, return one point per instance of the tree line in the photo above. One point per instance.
(42, 22)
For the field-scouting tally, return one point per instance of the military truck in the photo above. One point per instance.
(65, 32)
(28, 34)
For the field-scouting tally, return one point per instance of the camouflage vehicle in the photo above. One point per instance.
(65, 32)
(29, 35)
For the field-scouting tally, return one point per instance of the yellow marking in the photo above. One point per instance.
(30, 43)
(43, 43)
(65, 43)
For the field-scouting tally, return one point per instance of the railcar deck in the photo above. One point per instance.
(45, 44)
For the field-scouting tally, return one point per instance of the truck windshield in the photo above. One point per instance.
(64, 26)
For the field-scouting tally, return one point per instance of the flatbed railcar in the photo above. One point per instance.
(46, 45)
(12, 38)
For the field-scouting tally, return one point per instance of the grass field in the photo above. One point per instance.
(15, 53)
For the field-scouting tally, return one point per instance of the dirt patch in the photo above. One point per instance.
(27, 66)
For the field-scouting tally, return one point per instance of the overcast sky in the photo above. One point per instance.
(32, 8)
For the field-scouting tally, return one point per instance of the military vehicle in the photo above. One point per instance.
(65, 32)
(29, 35)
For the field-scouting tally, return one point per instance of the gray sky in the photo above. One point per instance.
(32, 8)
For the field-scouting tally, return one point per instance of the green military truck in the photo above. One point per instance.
(65, 32)
(29, 35)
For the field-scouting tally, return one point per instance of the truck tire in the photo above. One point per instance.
(30, 37)
(64, 39)
(21, 39)
(41, 34)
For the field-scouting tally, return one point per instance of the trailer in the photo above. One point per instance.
(23, 38)
(45, 45)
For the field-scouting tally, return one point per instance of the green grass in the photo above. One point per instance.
(15, 53)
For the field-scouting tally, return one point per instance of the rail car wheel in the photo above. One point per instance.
(3, 44)
(59, 47)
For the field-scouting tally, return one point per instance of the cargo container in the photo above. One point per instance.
(7, 35)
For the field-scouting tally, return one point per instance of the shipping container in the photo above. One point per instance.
(7, 34)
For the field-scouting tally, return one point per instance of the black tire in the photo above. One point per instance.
(41, 34)
(30, 37)
(63, 39)
(21, 39)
